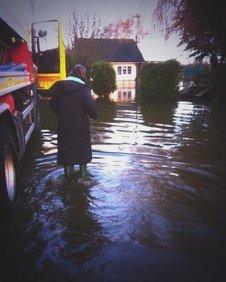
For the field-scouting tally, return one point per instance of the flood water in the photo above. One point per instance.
(154, 208)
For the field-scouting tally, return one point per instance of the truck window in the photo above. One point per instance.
(46, 46)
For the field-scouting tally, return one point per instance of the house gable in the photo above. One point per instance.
(89, 50)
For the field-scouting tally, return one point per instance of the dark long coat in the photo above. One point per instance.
(72, 103)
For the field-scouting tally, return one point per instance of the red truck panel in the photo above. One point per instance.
(20, 54)
(8, 99)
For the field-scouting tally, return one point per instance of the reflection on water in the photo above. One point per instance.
(123, 95)
(155, 198)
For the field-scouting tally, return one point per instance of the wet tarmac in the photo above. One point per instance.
(153, 209)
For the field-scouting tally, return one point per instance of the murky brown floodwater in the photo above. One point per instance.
(154, 209)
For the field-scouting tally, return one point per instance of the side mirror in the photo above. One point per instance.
(42, 33)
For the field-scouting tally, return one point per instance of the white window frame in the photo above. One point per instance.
(129, 69)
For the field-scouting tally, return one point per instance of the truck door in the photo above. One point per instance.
(48, 52)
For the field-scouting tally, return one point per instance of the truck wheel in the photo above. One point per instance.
(8, 166)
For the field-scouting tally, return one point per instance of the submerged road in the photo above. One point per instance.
(153, 208)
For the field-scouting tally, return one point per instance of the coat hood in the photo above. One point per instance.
(72, 83)
(75, 79)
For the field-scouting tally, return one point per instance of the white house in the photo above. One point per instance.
(123, 54)
(126, 74)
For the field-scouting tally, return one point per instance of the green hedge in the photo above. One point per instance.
(159, 81)
(103, 79)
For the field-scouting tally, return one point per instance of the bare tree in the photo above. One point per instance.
(129, 28)
(92, 27)
(84, 27)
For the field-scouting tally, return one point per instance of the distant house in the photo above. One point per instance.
(123, 54)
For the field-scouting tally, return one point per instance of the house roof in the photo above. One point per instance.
(112, 50)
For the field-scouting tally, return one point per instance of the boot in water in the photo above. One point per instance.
(69, 172)
(83, 171)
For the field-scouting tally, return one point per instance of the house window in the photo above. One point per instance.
(129, 70)
(119, 70)
(119, 94)
(124, 70)
(129, 94)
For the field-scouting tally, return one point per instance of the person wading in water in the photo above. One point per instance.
(71, 101)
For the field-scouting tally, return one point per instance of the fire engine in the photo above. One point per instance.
(22, 72)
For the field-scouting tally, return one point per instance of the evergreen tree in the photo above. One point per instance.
(103, 79)
(159, 81)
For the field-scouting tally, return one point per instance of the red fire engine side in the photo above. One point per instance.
(18, 107)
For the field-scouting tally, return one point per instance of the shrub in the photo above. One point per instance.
(103, 79)
(159, 81)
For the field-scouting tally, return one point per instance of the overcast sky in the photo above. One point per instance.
(153, 46)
